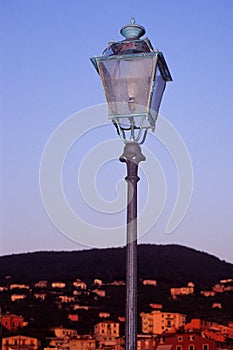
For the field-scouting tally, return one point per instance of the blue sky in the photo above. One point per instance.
(46, 77)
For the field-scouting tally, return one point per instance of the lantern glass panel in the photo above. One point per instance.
(157, 93)
(128, 83)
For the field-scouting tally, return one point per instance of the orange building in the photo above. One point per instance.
(197, 324)
(12, 322)
(107, 330)
(20, 342)
(158, 322)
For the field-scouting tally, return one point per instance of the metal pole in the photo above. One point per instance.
(132, 156)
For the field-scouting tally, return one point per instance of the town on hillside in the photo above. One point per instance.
(72, 315)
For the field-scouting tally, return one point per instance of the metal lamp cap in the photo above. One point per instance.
(132, 30)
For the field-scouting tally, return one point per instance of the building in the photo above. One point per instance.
(158, 322)
(41, 284)
(107, 330)
(80, 284)
(73, 317)
(12, 322)
(61, 332)
(59, 285)
(104, 314)
(208, 293)
(185, 341)
(19, 286)
(100, 292)
(15, 297)
(218, 288)
(84, 342)
(66, 299)
(149, 283)
(145, 342)
(189, 289)
(40, 296)
(156, 306)
(98, 282)
(20, 342)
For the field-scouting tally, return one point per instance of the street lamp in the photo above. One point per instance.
(134, 77)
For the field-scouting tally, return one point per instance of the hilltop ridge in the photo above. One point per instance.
(171, 262)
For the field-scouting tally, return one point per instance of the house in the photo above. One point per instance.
(20, 342)
(189, 289)
(66, 299)
(60, 285)
(40, 296)
(218, 288)
(80, 284)
(228, 280)
(226, 330)
(73, 317)
(41, 284)
(12, 322)
(15, 297)
(100, 292)
(117, 283)
(197, 324)
(104, 314)
(68, 339)
(145, 342)
(98, 282)
(208, 293)
(81, 307)
(83, 342)
(19, 286)
(61, 332)
(107, 330)
(216, 306)
(185, 341)
(149, 283)
(3, 288)
(156, 306)
(158, 322)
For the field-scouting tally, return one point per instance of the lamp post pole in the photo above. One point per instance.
(134, 77)
(131, 156)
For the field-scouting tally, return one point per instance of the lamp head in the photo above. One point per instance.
(134, 77)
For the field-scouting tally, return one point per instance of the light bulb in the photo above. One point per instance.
(132, 91)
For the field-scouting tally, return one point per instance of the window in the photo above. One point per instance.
(191, 347)
(178, 347)
(180, 338)
(161, 340)
(205, 347)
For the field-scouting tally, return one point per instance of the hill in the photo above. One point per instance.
(171, 263)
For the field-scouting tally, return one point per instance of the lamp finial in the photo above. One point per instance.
(132, 30)
(132, 20)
